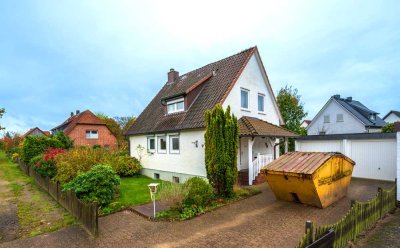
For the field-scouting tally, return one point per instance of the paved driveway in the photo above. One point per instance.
(260, 221)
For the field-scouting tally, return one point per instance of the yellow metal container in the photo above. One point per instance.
(313, 178)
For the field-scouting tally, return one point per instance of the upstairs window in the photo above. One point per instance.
(244, 98)
(175, 106)
(261, 102)
(326, 119)
(92, 134)
(339, 118)
(372, 117)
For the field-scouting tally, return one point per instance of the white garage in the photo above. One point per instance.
(375, 154)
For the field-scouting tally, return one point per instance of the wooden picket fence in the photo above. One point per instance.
(361, 216)
(87, 214)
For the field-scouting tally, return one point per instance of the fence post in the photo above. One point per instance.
(355, 217)
(380, 195)
(309, 231)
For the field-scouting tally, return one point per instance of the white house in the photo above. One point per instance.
(168, 136)
(392, 116)
(342, 116)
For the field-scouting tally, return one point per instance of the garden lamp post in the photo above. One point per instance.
(153, 191)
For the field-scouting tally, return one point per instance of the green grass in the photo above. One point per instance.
(133, 191)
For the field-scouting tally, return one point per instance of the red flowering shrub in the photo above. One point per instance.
(45, 164)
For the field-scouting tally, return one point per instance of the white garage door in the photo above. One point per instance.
(375, 159)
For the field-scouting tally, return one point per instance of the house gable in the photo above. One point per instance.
(392, 116)
(350, 123)
(254, 79)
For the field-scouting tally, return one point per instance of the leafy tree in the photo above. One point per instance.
(2, 112)
(221, 147)
(388, 128)
(66, 142)
(292, 110)
(113, 126)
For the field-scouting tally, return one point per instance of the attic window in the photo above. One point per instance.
(175, 106)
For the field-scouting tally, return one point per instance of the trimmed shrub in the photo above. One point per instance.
(77, 160)
(36, 145)
(199, 192)
(125, 165)
(82, 159)
(99, 184)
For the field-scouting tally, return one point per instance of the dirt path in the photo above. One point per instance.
(259, 221)
(26, 210)
(9, 226)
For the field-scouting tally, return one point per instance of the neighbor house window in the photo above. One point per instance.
(162, 144)
(261, 102)
(151, 144)
(244, 98)
(326, 119)
(174, 144)
(92, 134)
(175, 179)
(175, 106)
(339, 118)
(322, 133)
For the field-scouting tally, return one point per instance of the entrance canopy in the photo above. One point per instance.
(251, 127)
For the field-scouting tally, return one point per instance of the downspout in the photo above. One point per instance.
(280, 143)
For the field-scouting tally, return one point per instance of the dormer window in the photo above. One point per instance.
(372, 117)
(175, 106)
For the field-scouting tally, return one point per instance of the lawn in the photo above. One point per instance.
(133, 191)
(35, 211)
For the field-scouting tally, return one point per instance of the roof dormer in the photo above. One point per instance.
(176, 105)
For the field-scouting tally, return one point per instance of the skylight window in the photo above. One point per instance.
(175, 106)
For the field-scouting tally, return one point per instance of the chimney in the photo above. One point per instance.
(172, 76)
(77, 112)
(349, 99)
(72, 114)
(336, 96)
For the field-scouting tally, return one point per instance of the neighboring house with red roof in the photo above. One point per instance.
(305, 123)
(86, 129)
(168, 136)
(36, 132)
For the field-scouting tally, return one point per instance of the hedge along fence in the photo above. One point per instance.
(361, 216)
(87, 214)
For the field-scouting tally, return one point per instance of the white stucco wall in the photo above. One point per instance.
(190, 159)
(252, 79)
(263, 146)
(349, 125)
(392, 118)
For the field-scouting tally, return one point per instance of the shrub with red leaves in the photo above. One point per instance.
(51, 153)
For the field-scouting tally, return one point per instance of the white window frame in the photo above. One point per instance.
(327, 119)
(93, 134)
(263, 103)
(159, 150)
(174, 103)
(339, 119)
(148, 144)
(248, 99)
(171, 144)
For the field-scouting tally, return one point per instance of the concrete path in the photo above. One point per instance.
(259, 221)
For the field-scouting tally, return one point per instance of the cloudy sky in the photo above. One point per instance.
(113, 56)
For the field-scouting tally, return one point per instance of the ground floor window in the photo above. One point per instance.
(174, 144)
(162, 144)
(151, 144)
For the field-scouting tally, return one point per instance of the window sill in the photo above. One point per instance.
(245, 110)
(162, 152)
(262, 113)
